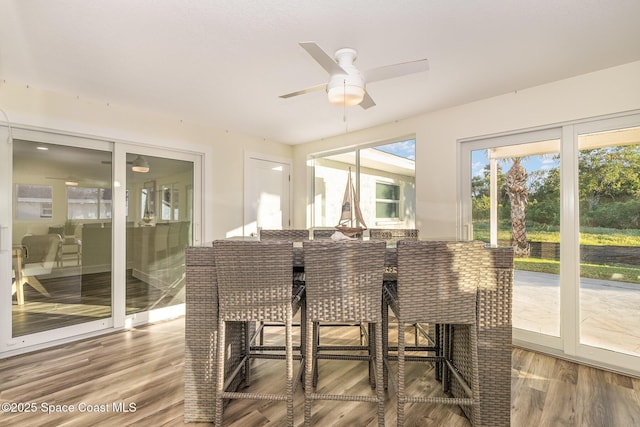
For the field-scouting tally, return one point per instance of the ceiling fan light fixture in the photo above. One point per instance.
(71, 183)
(347, 95)
(346, 89)
(140, 164)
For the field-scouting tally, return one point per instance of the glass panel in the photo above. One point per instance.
(609, 195)
(515, 194)
(155, 244)
(386, 185)
(61, 249)
(330, 179)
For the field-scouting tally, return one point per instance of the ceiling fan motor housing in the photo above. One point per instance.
(346, 89)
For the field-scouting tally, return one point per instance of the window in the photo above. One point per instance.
(387, 201)
(88, 203)
(170, 202)
(384, 176)
(34, 201)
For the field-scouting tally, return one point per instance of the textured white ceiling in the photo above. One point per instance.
(225, 62)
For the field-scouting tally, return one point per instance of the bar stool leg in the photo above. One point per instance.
(289, 365)
(400, 392)
(220, 373)
(379, 373)
(308, 370)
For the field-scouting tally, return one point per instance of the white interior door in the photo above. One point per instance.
(267, 194)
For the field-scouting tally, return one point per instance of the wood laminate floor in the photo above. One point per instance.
(135, 377)
(79, 298)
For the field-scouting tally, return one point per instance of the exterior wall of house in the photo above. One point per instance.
(330, 181)
(609, 91)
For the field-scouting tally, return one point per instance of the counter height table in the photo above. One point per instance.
(494, 304)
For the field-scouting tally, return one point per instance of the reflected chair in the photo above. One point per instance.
(437, 284)
(254, 285)
(38, 256)
(344, 284)
(161, 244)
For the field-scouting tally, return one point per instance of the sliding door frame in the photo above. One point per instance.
(10, 345)
(568, 344)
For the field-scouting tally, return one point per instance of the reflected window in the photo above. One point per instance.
(88, 203)
(34, 201)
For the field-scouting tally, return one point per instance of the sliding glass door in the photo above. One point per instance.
(93, 235)
(567, 200)
(61, 273)
(515, 201)
(158, 229)
(609, 209)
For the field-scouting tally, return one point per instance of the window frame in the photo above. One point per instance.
(394, 202)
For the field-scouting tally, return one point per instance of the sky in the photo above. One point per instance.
(406, 149)
(531, 163)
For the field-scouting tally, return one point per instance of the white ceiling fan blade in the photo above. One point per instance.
(396, 70)
(303, 91)
(321, 57)
(367, 102)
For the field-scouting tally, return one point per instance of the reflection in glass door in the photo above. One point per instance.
(61, 228)
(609, 198)
(158, 228)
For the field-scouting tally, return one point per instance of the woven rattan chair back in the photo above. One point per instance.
(292, 235)
(393, 234)
(254, 279)
(344, 280)
(438, 281)
(326, 233)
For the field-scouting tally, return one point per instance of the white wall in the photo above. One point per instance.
(223, 167)
(604, 92)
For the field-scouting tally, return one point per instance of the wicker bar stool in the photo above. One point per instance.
(290, 235)
(344, 284)
(437, 284)
(254, 285)
(393, 234)
(325, 234)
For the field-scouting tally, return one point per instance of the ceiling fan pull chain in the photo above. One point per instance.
(344, 102)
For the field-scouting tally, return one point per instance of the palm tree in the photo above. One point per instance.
(516, 185)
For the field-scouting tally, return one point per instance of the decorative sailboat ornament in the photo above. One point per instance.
(351, 222)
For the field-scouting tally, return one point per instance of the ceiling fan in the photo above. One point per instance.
(140, 164)
(347, 84)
